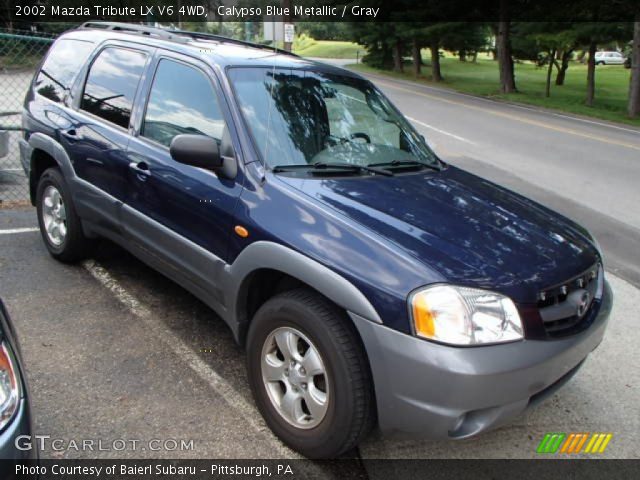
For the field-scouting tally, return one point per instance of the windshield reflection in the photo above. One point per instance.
(300, 117)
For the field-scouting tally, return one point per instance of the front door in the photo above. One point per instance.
(180, 214)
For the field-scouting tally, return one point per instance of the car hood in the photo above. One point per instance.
(469, 230)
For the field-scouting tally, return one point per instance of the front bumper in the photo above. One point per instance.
(436, 391)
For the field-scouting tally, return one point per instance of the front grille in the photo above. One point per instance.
(566, 308)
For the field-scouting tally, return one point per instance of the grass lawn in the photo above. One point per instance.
(481, 78)
(329, 49)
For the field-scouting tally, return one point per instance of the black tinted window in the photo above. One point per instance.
(182, 100)
(59, 69)
(112, 83)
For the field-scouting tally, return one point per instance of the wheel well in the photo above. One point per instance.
(40, 161)
(260, 286)
(256, 289)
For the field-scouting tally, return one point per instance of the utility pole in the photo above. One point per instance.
(286, 4)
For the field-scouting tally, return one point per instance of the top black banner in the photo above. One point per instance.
(18, 12)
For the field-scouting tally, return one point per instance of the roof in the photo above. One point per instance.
(210, 48)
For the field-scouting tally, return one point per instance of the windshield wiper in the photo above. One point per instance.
(408, 164)
(323, 167)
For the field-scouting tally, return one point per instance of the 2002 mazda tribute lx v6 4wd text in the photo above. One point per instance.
(370, 282)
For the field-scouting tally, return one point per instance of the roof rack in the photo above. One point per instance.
(222, 39)
(175, 35)
(132, 28)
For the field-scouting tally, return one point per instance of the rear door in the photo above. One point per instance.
(99, 133)
(180, 214)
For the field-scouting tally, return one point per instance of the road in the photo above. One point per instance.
(115, 350)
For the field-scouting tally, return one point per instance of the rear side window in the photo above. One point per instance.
(59, 69)
(112, 83)
(182, 101)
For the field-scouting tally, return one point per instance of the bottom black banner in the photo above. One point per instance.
(335, 469)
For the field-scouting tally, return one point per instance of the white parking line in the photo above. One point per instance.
(11, 231)
(204, 371)
(431, 127)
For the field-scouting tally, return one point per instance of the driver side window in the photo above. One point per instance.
(181, 101)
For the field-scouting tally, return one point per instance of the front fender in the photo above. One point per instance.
(269, 255)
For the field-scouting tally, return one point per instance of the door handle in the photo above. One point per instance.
(70, 134)
(141, 169)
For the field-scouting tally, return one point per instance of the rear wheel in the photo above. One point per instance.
(59, 224)
(309, 375)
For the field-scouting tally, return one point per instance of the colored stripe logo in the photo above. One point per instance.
(573, 443)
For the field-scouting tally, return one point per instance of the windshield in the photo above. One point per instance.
(301, 117)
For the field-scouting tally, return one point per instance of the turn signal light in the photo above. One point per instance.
(423, 318)
(241, 231)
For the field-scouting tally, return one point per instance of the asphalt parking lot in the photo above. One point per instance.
(114, 351)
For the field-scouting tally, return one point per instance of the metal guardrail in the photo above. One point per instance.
(20, 53)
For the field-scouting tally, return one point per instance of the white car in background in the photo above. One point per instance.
(609, 58)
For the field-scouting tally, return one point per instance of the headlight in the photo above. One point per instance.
(464, 316)
(9, 386)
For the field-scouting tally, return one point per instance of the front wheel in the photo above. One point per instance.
(309, 374)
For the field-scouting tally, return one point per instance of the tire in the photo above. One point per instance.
(600, 63)
(349, 410)
(55, 207)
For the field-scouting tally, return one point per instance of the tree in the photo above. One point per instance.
(397, 50)
(503, 50)
(565, 58)
(466, 39)
(434, 34)
(541, 42)
(378, 38)
(416, 57)
(434, 48)
(591, 73)
(591, 34)
(634, 84)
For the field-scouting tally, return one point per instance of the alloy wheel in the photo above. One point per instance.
(54, 215)
(295, 377)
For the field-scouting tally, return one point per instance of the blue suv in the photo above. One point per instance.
(370, 282)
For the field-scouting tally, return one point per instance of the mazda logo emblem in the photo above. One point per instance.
(583, 305)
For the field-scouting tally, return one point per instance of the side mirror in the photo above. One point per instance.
(196, 150)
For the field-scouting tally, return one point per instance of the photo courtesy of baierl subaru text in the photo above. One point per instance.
(319, 239)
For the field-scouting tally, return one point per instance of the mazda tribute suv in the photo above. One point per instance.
(371, 283)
